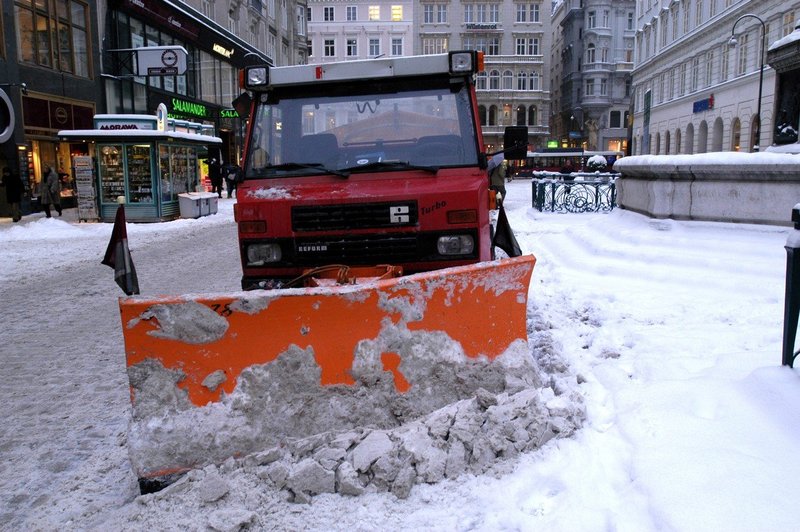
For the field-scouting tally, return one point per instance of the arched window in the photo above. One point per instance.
(702, 138)
(590, 54)
(689, 139)
(532, 115)
(535, 81)
(755, 127)
(508, 80)
(522, 81)
(716, 136)
(677, 141)
(482, 114)
(657, 147)
(493, 115)
(666, 142)
(736, 135)
(481, 81)
(494, 80)
(521, 113)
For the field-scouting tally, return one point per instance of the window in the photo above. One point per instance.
(397, 13)
(533, 46)
(352, 47)
(685, 8)
(605, 18)
(532, 115)
(427, 14)
(441, 13)
(327, 13)
(604, 55)
(682, 81)
(698, 13)
(604, 87)
(695, 74)
(374, 12)
(508, 80)
(434, 45)
(534, 13)
(494, 80)
(724, 66)
(521, 42)
(494, 13)
(709, 67)
(397, 46)
(535, 83)
(590, 54)
(741, 65)
(630, 26)
(675, 22)
(522, 12)
(352, 13)
(469, 13)
(329, 48)
(493, 47)
(592, 20)
(522, 81)
(589, 87)
(54, 38)
(480, 14)
(480, 84)
(788, 23)
(374, 47)
(522, 114)
(615, 119)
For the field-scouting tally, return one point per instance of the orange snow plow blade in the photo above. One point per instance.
(189, 353)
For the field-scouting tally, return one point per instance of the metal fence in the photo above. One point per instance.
(582, 193)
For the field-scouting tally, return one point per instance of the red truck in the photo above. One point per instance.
(362, 163)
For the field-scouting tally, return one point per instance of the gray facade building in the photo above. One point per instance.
(594, 65)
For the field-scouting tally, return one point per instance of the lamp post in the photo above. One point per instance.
(732, 43)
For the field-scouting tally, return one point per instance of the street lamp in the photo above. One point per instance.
(732, 43)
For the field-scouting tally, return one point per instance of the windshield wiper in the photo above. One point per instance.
(308, 166)
(398, 165)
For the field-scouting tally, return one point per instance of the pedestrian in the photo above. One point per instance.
(215, 175)
(497, 175)
(50, 191)
(231, 177)
(14, 187)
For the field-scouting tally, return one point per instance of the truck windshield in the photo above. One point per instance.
(316, 135)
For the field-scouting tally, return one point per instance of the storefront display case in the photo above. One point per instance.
(143, 167)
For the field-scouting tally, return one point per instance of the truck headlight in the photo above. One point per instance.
(260, 254)
(455, 245)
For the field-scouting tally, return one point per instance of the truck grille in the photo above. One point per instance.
(365, 249)
(354, 216)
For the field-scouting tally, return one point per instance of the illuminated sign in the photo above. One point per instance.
(189, 108)
(221, 50)
(228, 113)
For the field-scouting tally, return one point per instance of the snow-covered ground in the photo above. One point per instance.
(670, 331)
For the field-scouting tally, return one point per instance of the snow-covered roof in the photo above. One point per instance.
(122, 134)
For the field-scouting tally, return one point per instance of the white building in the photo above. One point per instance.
(357, 29)
(694, 92)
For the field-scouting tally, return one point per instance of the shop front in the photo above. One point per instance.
(144, 163)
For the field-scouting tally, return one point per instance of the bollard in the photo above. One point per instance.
(791, 311)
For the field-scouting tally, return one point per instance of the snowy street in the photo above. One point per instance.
(670, 331)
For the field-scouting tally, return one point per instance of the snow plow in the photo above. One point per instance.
(347, 167)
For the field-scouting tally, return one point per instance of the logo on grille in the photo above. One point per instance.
(399, 214)
(311, 248)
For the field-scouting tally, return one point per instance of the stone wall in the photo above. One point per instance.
(759, 188)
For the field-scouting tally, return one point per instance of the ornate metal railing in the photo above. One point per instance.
(579, 194)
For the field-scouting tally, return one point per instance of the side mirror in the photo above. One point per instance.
(242, 105)
(515, 140)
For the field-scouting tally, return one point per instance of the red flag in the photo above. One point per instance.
(118, 256)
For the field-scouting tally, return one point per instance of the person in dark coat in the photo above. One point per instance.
(231, 173)
(50, 191)
(14, 186)
(215, 175)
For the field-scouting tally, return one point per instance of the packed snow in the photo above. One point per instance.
(667, 332)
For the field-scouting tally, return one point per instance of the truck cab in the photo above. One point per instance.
(363, 163)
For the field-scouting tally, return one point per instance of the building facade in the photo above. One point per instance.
(76, 59)
(514, 36)
(697, 91)
(594, 66)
